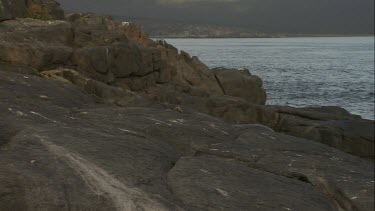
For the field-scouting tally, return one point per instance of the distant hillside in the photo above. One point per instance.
(346, 17)
(185, 30)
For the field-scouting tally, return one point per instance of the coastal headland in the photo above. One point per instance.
(95, 115)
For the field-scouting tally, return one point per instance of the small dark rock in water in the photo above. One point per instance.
(94, 115)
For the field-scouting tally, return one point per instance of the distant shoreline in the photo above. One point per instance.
(265, 37)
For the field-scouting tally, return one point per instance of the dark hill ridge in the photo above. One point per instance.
(310, 17)
(96, 116)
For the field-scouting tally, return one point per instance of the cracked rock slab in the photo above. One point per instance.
(95, 156)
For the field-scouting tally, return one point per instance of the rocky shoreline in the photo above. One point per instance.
(94, 115)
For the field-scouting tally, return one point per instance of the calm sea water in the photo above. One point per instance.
(336, 71)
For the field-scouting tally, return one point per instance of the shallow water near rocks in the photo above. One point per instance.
(316, 71)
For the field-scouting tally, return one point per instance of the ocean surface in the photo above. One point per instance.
(329, 71)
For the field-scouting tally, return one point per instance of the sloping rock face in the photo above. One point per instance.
(119, 54)
(240, 83)
(94, 115)
(104, 50)
(62, 149)
(333, 126)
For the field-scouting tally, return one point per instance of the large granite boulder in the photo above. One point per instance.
(61, 149)
(333, 126)
(240, 83)
(42, 45)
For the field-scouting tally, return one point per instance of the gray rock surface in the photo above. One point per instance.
(104, 50)
(121, 55)
(61, 149)
(240, 83)
(10, 9)
(94, 115)
(336, 128)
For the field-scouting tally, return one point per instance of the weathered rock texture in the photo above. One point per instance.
(50, 6)
(237, 83)
(62, 149)
(121, 55)
(10, 9)
(94, 115)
